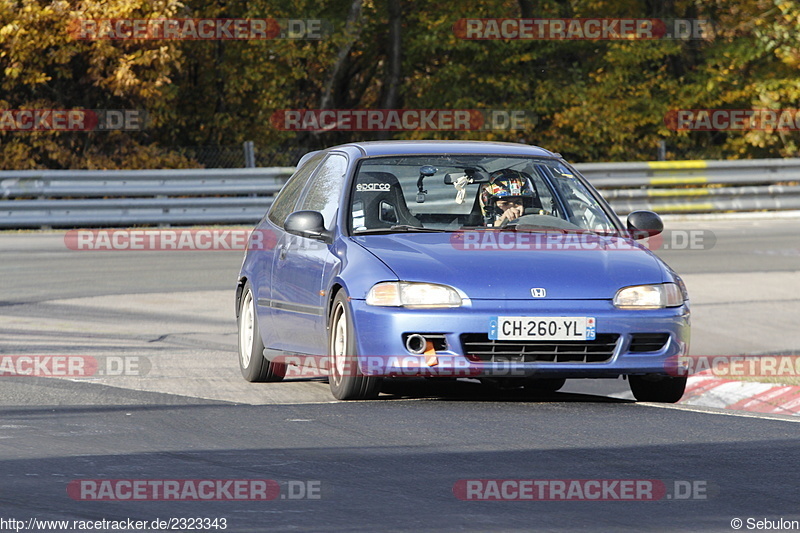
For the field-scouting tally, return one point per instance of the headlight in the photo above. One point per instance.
(649, 296)
(405, 294)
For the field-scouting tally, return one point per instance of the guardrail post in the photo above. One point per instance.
(249, 154)
(45, 185)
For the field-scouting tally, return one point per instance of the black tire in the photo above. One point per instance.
(544, 385)
(653, 388)
(252, 363)
(345, 379)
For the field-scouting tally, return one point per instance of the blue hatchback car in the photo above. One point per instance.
(456, 259)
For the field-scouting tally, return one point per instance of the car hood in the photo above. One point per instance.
(507, 265)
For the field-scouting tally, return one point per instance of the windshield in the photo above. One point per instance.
(448, 193)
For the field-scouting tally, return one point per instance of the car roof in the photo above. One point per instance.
(378, 148)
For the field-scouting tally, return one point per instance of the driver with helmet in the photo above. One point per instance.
(506, 196)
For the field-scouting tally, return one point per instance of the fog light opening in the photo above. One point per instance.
(416, 343)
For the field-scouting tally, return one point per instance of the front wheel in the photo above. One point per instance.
(252, 363)
(346, 380)
(661, 389)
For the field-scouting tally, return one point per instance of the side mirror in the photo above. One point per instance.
(643, 224)
(309, 224)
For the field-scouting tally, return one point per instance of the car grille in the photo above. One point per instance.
(648, 342)
(478, 346)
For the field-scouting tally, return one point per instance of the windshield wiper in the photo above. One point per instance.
(401, 228)
(530, 228)
(536, 228)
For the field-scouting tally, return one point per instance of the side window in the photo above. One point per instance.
(585, 211)
(326, 188)
(284, 202)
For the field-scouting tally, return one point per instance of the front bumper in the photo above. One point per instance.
(380, 335)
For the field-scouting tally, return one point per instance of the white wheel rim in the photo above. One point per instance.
(339, 343)
(246, 330)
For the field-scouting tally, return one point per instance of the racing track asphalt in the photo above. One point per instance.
(386, 465)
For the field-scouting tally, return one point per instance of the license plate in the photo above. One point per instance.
(542, 328)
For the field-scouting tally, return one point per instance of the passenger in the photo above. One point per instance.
(506, 196)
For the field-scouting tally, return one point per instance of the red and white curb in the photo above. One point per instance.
(705, 390)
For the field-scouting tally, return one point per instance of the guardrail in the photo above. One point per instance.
(669, 187)
(84, 198)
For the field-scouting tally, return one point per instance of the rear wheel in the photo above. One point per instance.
(252, 363)
(346, 380)
(653, 388)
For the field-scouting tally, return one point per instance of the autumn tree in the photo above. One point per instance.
(45, 67)
(596, 100)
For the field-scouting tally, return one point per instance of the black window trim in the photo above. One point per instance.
(302, 193)
(307, 186)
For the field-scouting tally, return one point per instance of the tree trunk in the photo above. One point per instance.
(352, 30)
(394, 56)
(526, 8)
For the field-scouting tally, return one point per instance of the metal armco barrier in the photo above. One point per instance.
(669, 187)
(91, 198)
